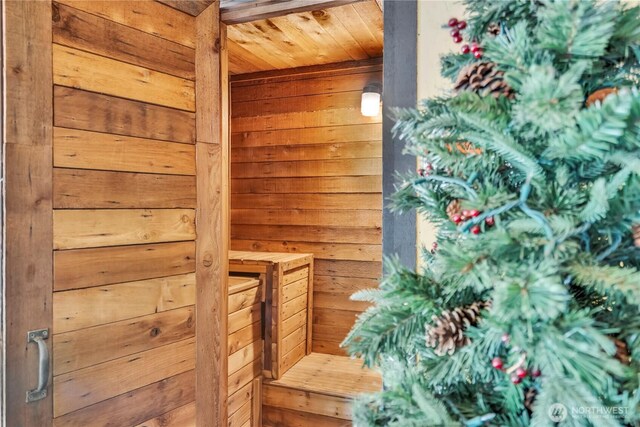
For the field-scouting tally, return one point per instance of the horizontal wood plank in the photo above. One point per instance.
(328, 347)
(343, 285)
(363, 269)
(237, 399)
(79, 389)
(90, 228)
(333, 301)
(294, 322)
(148, 16)
(183, 416)
(342, 185)
(78, 109)
(244, 376)
(294, 356)
(86, 347)
(83, 268)
(93, 189)
(341, 251)
(331, 333)
(244, 356)
(92, 150)
(292, 340)
(77, 29)
(276, 417)
(350, 167)
(87, 71)
(309, 136)
(328, 217)
(295, 275)
(334, 151)
(294, 306)
(315, 403)
(337, 318)
(295, 289)
(370, 201)
(244, 299)
(307, 233)
(307, 119)
(325, 101)
(243, 318)
(135, 406)
(300, 86)
(245, 336)
(84, 308)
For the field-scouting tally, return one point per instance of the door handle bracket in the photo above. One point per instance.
(38, 336)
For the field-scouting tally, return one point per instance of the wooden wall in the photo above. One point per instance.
(306, 177)
(124, 199)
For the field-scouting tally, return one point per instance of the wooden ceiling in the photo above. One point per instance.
(350, 32)
(268, 35)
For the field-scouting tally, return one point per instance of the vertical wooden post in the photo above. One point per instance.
(28, 276)
(211, 221)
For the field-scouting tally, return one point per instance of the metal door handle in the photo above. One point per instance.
(38, 337)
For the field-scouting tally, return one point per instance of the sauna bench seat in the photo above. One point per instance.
(318, 390)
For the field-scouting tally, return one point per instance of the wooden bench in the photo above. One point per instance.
(288, 304)
(316, 391)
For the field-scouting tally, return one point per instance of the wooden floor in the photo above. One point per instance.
(317, 392)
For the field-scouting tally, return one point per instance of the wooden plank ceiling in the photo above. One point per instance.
(349, 32)
(268, 35)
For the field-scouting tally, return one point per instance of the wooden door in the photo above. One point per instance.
(108, 165)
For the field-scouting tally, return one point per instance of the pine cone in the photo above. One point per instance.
(493, 29)
(446, 334)
(636, 235)
(453, 209)
(483, 78)
(622, 351)
(530, 398)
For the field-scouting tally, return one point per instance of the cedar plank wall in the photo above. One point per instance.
(306, 177)
(124, 208)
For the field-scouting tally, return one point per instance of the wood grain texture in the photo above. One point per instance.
(136, 406)
(77, 29)
(315, 403)
(27, 130)
(83, 268)
(311, 189)
(85, 189)
(82, 70)
(183, 416)
(93, 150)
(212, 229)
(237, 399)
(243, 337)
(87, 347)
(79, 389)
(90, 228)
(265, 37)
(276, 417)
(147, 16)
(77, 109)
(75, 309)
(309, 136)
(192, 7)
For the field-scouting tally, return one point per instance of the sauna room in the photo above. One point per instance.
(194, 189)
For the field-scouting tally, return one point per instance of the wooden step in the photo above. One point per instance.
(317, 391)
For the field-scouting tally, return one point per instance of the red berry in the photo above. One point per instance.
(477, 54)
(457, 39)
(457, 219)
(421, 172)
(455, 32)
(474, 47)
(475, 229)
(521, 373)
(497, 363)
(536, 373)
(462, 25)
(434, 245)
(516, 379)
(465, 213)
(474, 213)
(429, 167)
(453, 22)
(505, 338)
(465, 48)
(490, 221)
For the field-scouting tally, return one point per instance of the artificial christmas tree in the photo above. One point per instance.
(536, 229)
